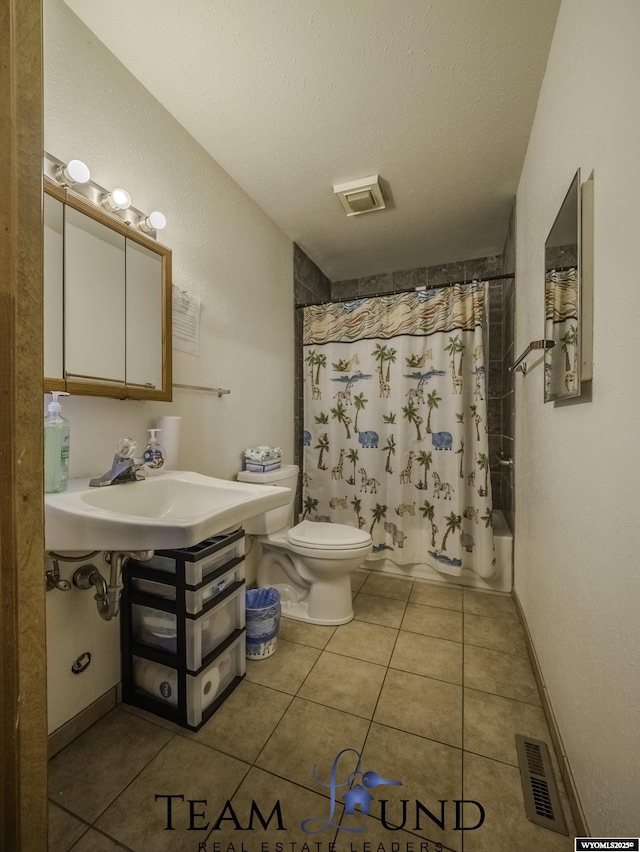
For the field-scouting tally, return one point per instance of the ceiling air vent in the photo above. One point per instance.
(360, 196)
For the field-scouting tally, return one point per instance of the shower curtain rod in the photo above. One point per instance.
(406, 290)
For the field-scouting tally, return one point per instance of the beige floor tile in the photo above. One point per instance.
(93, 841)
(150, 717)
(286, 669)
(504, 674)
(491, 723)
(489, 604)
(313, 635)
(378, 610)
(429, 772)
(298, 807)
(434, 594)
(357, 579)
(423, 706)
(496, 633)
(64, 829)
(184, 768)
(395, 588)
(506, 828)
(344, 683)
(428, 656)
(364, 641)
(339, 678)
(311, 735)
(433, 621)
(246, 720)
(88, 774)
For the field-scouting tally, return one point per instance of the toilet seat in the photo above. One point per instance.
(322, 536)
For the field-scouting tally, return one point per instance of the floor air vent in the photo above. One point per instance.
(541, 799)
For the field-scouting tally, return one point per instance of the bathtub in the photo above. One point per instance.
(502, 580)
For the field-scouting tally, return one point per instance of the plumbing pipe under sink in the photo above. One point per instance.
(108, 595)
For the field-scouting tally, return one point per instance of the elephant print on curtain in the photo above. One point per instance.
(396, 425)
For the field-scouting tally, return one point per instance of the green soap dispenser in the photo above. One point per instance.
(56, 447)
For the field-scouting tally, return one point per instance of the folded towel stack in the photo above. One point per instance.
(263, 458)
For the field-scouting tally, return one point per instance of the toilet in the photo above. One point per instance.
(310, 563)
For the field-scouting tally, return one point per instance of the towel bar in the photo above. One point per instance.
(535, 344)
(219, 391)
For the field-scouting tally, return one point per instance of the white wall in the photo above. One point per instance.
(576, 559)
(225, 250)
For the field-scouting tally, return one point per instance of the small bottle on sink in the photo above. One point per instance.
(154, 457)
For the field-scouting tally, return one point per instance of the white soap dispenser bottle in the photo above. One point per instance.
(56, 447)
(154, 457)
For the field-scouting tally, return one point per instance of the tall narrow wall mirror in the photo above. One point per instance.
(107, 312)
(562, 363)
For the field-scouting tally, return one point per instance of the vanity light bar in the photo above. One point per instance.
(76, 174)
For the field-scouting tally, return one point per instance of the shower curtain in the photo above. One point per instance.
(395, 428)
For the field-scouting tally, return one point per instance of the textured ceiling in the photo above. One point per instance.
(292, 96)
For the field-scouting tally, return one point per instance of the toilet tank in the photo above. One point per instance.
(275, 519)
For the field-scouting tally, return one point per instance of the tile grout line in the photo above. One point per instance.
(253, 763)
(117, 843)
(126, 787)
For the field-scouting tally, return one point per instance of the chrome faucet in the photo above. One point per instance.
(123, 467)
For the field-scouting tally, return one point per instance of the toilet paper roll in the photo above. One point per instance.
(157, 680)
(169, 438)
(209, 686)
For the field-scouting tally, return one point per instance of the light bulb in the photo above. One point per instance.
(74, 172)
(153, 222)
(117, 199)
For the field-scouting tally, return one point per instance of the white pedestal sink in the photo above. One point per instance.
(177, 509)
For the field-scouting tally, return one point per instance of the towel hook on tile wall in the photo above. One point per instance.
(519, 367)
(219, 391)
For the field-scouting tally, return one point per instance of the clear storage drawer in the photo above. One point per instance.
(158, 629)
(162, 682)
(204, 688)
(194, 600)
(200, 560)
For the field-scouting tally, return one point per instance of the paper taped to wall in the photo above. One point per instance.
(186, 321)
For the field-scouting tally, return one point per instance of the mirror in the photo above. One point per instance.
(107, 303)
(53, 287)
(562, 300)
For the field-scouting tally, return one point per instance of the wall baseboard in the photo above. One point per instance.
(563, 761)
(68, 732)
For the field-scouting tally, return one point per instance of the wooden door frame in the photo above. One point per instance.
(23, 710)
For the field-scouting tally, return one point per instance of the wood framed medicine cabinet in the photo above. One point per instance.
(107, 303)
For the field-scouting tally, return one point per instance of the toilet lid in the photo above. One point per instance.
(328, 536)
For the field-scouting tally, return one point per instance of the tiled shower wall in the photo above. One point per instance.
(311, 285)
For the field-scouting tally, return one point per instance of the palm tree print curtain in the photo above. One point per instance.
(396, 425)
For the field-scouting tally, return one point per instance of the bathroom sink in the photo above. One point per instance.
(177, 509)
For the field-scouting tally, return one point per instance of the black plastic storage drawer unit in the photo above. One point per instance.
(183, 629)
